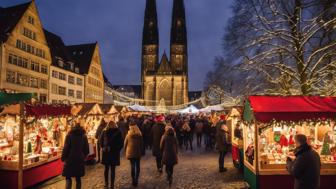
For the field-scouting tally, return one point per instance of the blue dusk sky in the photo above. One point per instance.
(117, 26)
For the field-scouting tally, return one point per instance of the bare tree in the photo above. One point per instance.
(288, 45)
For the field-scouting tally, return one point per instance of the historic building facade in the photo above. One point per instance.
(165, 80)
(24, 54)
(87, 59)
(66, 84)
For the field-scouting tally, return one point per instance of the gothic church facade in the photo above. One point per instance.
(166, 79)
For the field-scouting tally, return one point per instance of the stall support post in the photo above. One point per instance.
(21, 130)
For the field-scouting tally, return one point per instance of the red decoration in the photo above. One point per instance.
(283, 141)
(47, 110)
(293, 108)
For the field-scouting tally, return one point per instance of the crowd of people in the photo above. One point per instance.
(165, 136)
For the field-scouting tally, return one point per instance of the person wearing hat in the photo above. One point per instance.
(111, 142)
(134, 150)
(157, 131)
(222, 137)
(169, 148)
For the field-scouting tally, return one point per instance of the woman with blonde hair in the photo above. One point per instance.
(134, 150)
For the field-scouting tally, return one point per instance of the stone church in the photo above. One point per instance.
(165, 80)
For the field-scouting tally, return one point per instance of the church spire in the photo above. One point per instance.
(178, 28)
(150, 29)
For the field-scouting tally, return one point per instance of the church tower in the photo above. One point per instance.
(150, 51)
(179, 53)
(166, 81)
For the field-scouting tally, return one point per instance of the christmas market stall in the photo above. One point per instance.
(31, 142)
(270, 124)
(110, 112)
(235, 125)
(89, 116)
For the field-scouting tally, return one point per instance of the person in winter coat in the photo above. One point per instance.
(157, 132)
(111, 143)
(99, 131)
(305, 166)
(123, 127)
(169, 148)
(134, 150)
(187, 133)
(76, 148)
(222, 141)
(147, 133)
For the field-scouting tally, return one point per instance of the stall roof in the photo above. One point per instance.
(89, 109)
(108, 108)
(292, 108)
(10, 98)
(138, 108)
(191, 109)
(48, 110)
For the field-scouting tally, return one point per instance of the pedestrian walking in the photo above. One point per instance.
(123, 126)
(134, 150)
(111, 143)
(187, 135)
(222, 141)
(199, 132)
(157, 132)
(169, 148)
(147, 133)
(76, 148)
(305, 165)
(99, 131)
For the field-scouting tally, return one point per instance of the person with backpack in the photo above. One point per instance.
(75, 150)
(111, 143)
(199, 131)
(134, 150)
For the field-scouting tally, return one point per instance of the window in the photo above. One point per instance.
(54, 88)
(43, 84)
(22, 62)
(61, 90)
(44, 69)
(43, 98)
(35, 66)
(10, 76)
(54, 74)
(62, 76)
(79, 94)
(22, 79)
(28, 33)
(60, 63)
(71, 93)
(34, 82)
(71, 79)
(30, 49)
(71, 66)
(31, 20)
(77, 70)
(79, 81)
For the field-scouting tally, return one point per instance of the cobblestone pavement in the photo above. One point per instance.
(196, 170)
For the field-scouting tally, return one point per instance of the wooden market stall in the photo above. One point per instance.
(270, 124)
(235, 125)
(89, 116)
(31, 149)
(110, 112)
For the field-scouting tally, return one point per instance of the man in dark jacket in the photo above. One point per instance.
(157, 132)
(222, 143)
(99, 131)
(305, 166)
(76, 148)
(123, 127)
(111, 143)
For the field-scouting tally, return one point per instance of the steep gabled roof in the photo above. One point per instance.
(57, 48)
(82, 55)
(164, 68)
(9, 17)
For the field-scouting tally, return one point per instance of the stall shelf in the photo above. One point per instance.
(270, 124)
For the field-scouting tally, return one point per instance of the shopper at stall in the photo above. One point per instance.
(222, 142)
(187, 133)
(157, 131)
(99, 131)
(111, 144)
(75, 150)
(134, 150)
(305, 166)
(169, 148)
